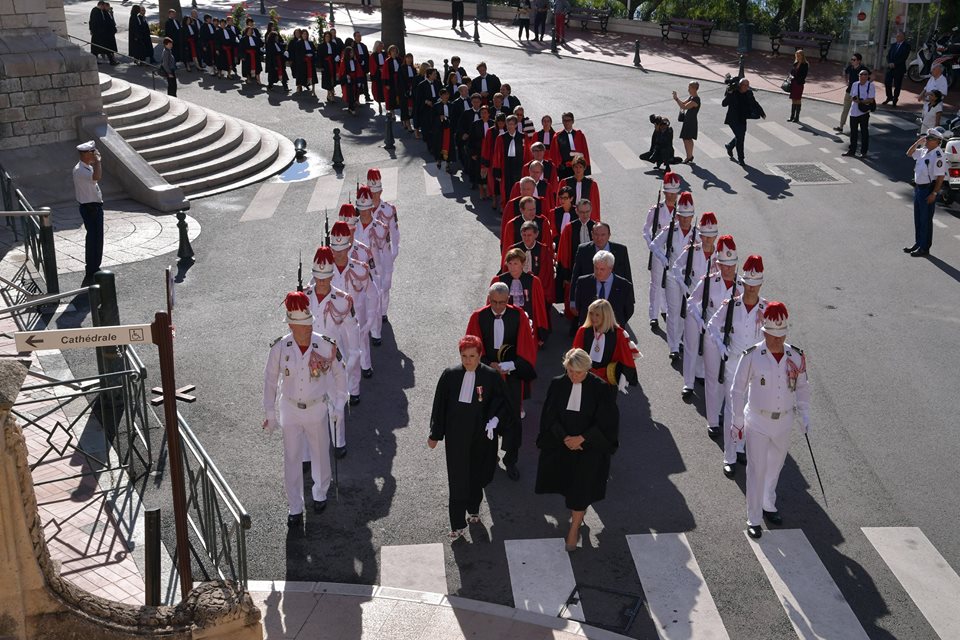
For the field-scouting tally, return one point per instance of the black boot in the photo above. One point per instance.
(796, 115)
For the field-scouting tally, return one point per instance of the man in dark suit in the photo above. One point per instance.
(741, 105)
(486, 84)
(603, 283)
(583, 260)
(897, 56)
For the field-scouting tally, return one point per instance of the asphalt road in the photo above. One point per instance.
(879, 330)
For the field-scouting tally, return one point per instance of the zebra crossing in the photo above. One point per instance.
(678, 597)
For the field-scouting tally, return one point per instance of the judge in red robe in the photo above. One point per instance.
(508, 347)
(612, 353)
(350, 74)
(486, 159)
(563, 214)
(378, 60)
(574, 234)
(511, 230)
(508, 158)
(526, 292)
(548, 138)
(542, 188)
(570, 141)
(583, 187)
(539, 260)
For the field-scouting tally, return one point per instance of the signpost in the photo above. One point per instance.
(83, 338)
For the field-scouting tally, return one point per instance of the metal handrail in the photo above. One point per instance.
(38, 241)
(141, 63)
(53, 297)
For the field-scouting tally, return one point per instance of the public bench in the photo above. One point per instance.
(585, 15)
(686, 26)
(802, 40)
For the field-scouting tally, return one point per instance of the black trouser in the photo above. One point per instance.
(539, 24)
(863, 124)
(460, 508)
(92, 215)
(457, 13)
(739, 133)
(524, 24)
(172, 85)
(893, 79)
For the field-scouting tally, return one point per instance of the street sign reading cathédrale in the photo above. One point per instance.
(83, 338)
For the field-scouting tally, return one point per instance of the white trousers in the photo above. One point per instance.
(656, 304)
(692, 361)
(716, 395)
(766, 461)
(373, 316)
(386, 282)
(305, 428)
(674, 298)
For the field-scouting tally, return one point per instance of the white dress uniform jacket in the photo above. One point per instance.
(663, 213)
(672, 297)
(357, 281)
(694, 324)
(387, 214)
(335, 317)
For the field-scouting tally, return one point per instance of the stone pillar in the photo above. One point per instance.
(46, 81)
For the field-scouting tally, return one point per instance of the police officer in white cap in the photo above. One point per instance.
(303, 382)
(770, 391)
(928, 176)
(86, 178)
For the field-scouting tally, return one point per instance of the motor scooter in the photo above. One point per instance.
(950, 192)
(938, 49)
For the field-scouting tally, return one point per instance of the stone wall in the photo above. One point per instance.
(46, 81)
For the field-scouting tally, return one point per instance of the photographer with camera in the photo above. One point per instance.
(661, 143)
(863, 97)
(741, 106)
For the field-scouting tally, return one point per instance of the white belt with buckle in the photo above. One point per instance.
(773, 415)
(305, 405)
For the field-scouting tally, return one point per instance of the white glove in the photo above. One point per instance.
(622, 386)
(286, 54)
(806, 427)
(491, 425)
(269, 426)
(508, 366)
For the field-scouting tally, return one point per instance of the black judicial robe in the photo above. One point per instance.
(579, 476)
(471, 456)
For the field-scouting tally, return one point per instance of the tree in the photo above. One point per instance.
(392, 29)
(165, 6)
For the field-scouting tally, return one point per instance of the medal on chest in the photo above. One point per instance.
(318, 365)
(763, 381)
(479, 393)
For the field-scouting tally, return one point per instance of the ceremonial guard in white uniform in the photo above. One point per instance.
(335, 317)
(362, 252)
(667, 246)
(735, 326)
(386, 213)
(303, 382)
(770, 392)
(658, 218)
(694, 262)
(376, 235)
(354, 277)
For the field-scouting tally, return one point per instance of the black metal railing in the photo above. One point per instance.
(36, 227)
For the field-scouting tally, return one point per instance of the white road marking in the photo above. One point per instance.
(677, 596)
(875, 183)
(708, 146)
(840, 160)
(957, 237)
(856, 171)
(925, 575)
(755, 145)
(541, 576)
(783, 134)
(436, 181)
(894, 195)
(264, 204)
(899, 123)
(389, 178)
(326, 194)
(623, 154)
(418, 567)
(816, 124)
(939, 224)
(825, 150)
(813, 603)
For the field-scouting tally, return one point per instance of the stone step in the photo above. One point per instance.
(105, 82)
(196, 120)
(231, 137)
(248, 147)
(176, 113)
(156, 148)
(136, 99)
(156, 106)
(268, 161)
(115, 91)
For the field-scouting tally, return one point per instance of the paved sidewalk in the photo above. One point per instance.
(321, 610)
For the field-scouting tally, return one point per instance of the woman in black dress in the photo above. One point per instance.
(691, 109)
(328, 64)
(470, 407)
(579, 428)
(798, 77)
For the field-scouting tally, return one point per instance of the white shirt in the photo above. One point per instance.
(584, 233)
(497, 332)
(861, 92)
(573, 147)
(546, 138)
(564, 221)
(936, 84)
(576, 392)
(83, 184)
(928, 119)
(483, 85)
(929, 165)
(512, 149)
(466, 387)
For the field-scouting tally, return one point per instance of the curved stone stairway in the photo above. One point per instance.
(201, 151)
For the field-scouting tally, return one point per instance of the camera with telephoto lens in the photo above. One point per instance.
(656, 120)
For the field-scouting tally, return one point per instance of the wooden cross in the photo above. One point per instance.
(180, 394)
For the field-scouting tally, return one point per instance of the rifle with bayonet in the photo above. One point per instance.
(300, 273)
(688, 272)
(703, 308)
(727, 330)
(326, 227)
(653, 226)
(668, 249)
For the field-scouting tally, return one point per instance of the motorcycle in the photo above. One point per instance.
(950, 192)
(943, 50)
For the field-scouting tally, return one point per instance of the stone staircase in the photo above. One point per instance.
(201, 151)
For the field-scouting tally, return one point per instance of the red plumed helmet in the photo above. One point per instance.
(753, 270)
(374, 181)
(323, 263)
(685, 204)
(298, 308)
(324, 255)
(364, 198)
(347, 213)
(373, 174)
(708, 224)
(340, 236)
(775, 319)
(726, 250)
(776, 310)
(671, 182)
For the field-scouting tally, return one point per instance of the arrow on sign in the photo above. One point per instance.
(33, 341)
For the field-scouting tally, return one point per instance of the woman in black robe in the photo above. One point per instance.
(139, 50)
(469, 407)
(305, 62)
(579, 424)
(250, 60)
(407, 82)
(328, 58)
(276, 59)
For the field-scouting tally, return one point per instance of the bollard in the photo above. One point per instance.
(446, 69)
(333, 21)
(49, 252)
(553, 39)
(151, 568)
(185, 250)
(337, 153)
(476, 31)
(740, 70)
(109, 359)
(263, 8)
(388, 134)
(636, 53)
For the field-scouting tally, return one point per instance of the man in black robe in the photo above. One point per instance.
(508, 158)
(171, 29)
(508, 347)
(469, 406)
